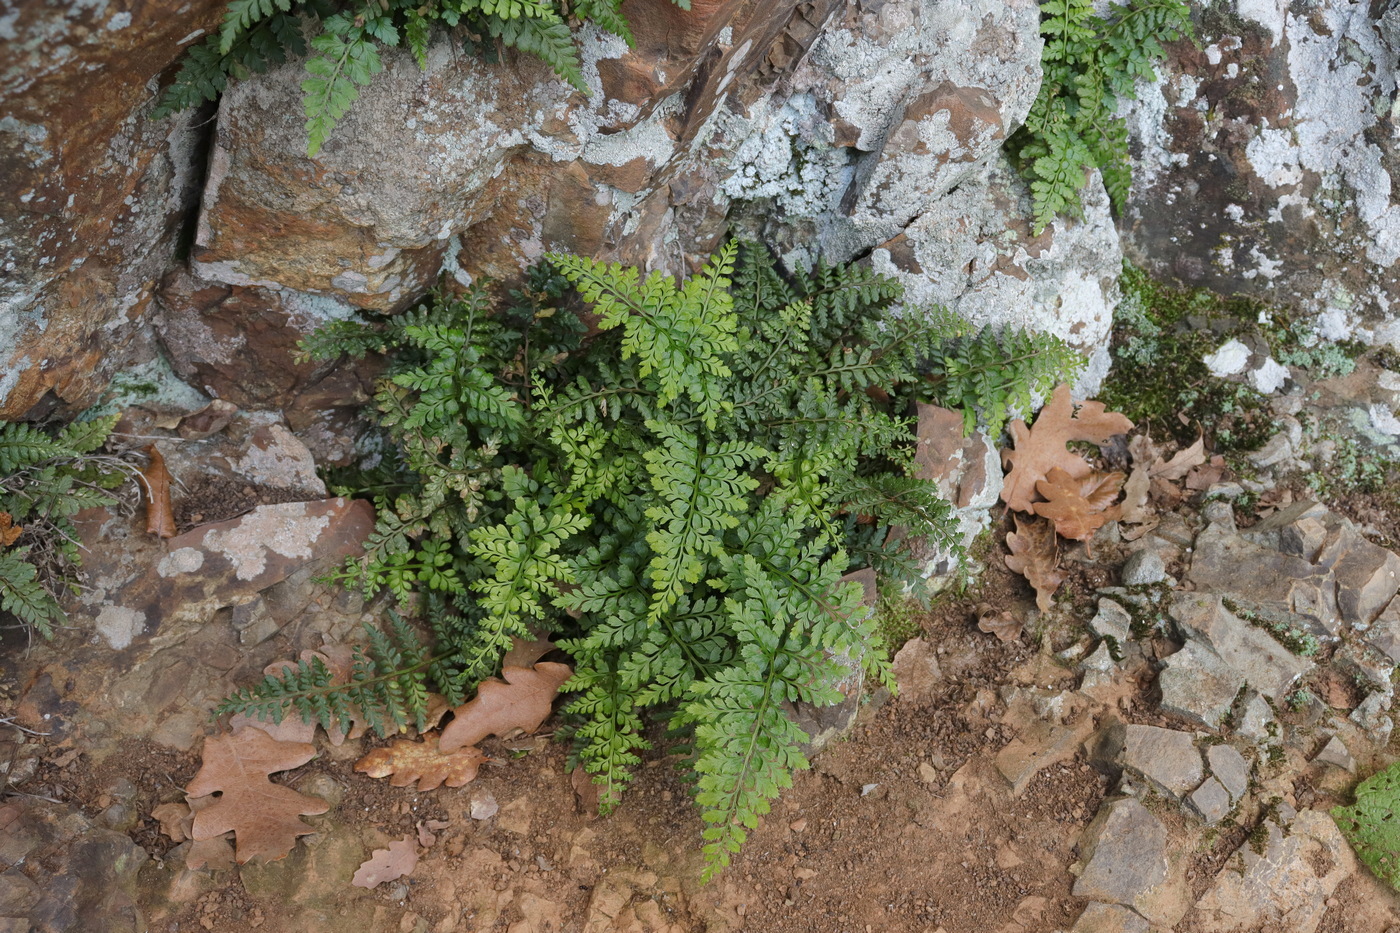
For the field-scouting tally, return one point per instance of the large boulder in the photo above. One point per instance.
(95, 194)
(1267, 160)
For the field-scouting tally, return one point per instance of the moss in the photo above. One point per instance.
(1159, 376)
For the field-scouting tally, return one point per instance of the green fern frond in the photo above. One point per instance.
(1090, 63)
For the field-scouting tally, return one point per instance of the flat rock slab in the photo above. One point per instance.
(1210, 801)
(1265, 664)
(1165, 757)
(1109, 918)
(1228, 563)
(1126, 862)
(1284, 886)
(1198, 686)
(138, 597)
(1229, 767)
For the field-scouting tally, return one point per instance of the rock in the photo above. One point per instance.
(239, 343)
(483, 805)
(1198, 686)
(1125, 853)
(1256, 719)
(1368, 576)
(1265, 664)
(1040, 744)
(1370, 716)
(1165, 757)
(1143, 568)
(1212, 125)
(96, 193)
(135, 598)
(1276, 451)
(1210, 801)
(1384, 633)
(972, 251)
(1334, 753)
(967, 468)
(61, 872)
(1283, 885)
(1109, 918)
(1226, 563)
(1112, 621)
(1229, 767)
(1366, 665)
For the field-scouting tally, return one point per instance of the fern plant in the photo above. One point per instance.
(45, 479)
(1090, 64)
(676, 498)
(345, 51)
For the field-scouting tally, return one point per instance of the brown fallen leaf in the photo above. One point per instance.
(265, 818)
(522, 701)
(524, 653)
(1182, 462)
(1207, 474)
(427, 831)
(174, 819)
(405, 762)
(9, 531)
(998, 622)
(212, 854)
(1035, 556)
(208, 421)
(1039, 449)
(387, 864)
(292, 728)
(160, 514)
(586, 793)
(1078, 507)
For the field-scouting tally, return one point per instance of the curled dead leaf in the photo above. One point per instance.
(160, 514)
(1035, 556)
(405, 762)
(522, 701)
(998, 622)
(1078, 506)
(387, 864)
(1038, 450)
(174, 819)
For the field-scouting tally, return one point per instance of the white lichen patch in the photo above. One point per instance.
(279, 459)
(285, 530)
(180, 560)
(1229, 360)
(119, 626)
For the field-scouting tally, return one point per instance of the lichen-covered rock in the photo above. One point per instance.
(95, 192)
(1267, 159)
(973, 251)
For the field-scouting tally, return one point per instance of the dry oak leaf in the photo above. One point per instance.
(1035, 556)
(9, 531)
(174, 819)
(160, 514)
(998, 622)
(387, 864)
(1182, 462)
(405, 762)
(1079, 507)
(522, 701)
(1041, 448)
(265, 818)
